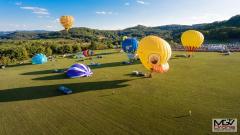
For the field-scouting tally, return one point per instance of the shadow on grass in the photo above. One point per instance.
(174, 58)
(19, 65)
(181, 56)
(113, 64)
(135, 76)
(107, 53)
(52, 77)
(40, 72)
(182, 116)
(39, 92)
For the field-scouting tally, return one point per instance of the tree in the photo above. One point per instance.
(48, 51)
(67, 49)
(76, 48)
(5, 60)
(93, 45)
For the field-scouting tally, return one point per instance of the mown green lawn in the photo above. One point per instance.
(208, 85)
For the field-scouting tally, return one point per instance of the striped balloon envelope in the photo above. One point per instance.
(88, 53)
(79, 70)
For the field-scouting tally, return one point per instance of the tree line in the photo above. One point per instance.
(15, 51)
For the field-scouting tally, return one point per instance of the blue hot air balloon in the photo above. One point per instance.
(39, 59)
(130, 45)
(79, 70)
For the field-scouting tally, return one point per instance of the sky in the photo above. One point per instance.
(112, 14)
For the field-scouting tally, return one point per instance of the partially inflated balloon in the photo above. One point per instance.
(85, 53)
(67, 22)
(192, 40)
(154, 53)
(79, 70)
(88, 53)
(39, 59)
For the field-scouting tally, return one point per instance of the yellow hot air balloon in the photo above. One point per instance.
(154, 53)
(67, 22)
(192, 40)
(124, 38)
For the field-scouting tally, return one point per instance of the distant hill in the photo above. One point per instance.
(217, 31)
(5, 33)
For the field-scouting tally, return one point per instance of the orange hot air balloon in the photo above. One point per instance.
(67, 22)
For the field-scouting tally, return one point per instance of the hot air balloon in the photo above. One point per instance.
(130, 46)
(124, 38)
(88, 53)
(154, 53)
(85, 53)
(192, 40)
(79, 70)
(39, 59)
(67, 22)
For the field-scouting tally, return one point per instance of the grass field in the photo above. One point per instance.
(208, 85)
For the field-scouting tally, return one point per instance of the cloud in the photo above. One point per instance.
(142, 2)
(57, 20)
(207, 18)
(37, 10)
(42, 16)
(104, 13)
(49, 26)
(17, 25)
(127, 4)
(18, 3)
(41, 12)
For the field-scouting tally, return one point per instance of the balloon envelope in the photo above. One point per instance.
(154, 53)
(79, 70)
(39, 59)
(85, 53)
(192, 39)
(67, 22)
(124, 38)
(130, 45)
(88, 53)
